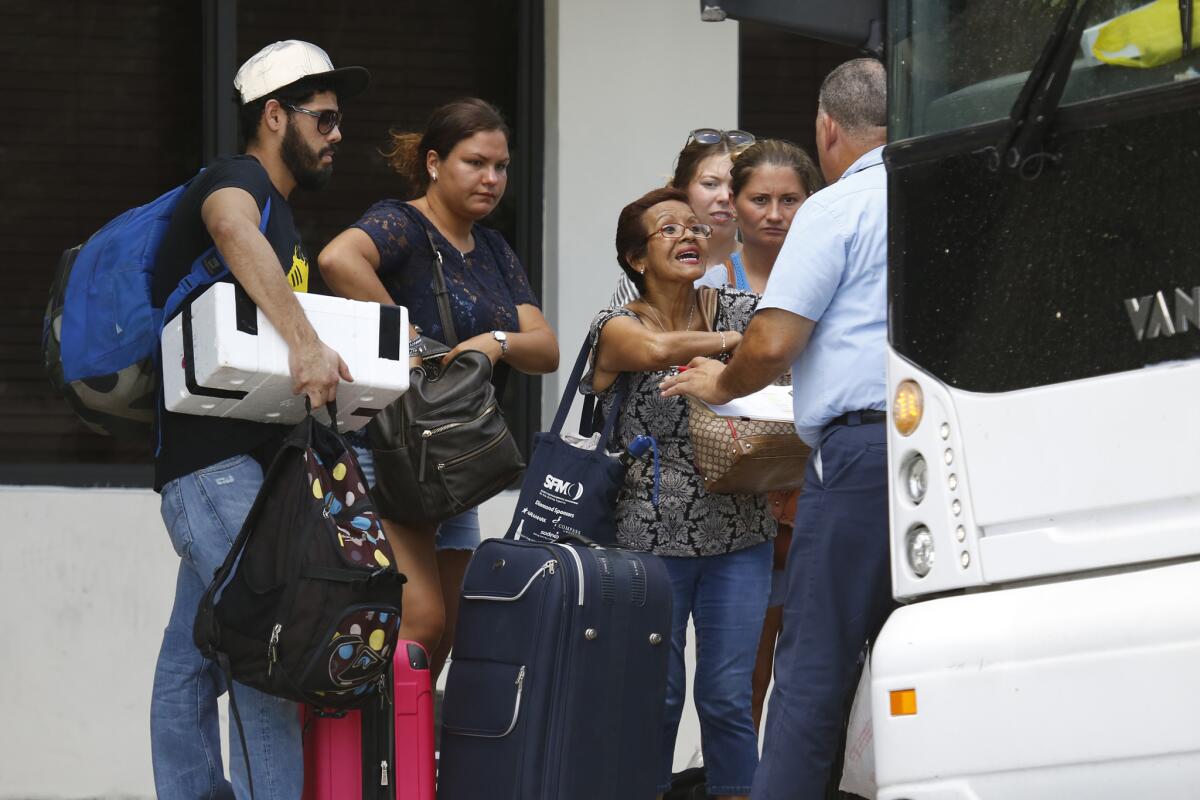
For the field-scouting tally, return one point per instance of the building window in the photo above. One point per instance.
(779, 78)
(105, 115)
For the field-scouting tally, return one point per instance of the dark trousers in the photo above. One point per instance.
(839, 592)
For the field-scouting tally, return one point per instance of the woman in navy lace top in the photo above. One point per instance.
(459, 169)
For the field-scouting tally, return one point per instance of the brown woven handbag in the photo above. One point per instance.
(736, 455)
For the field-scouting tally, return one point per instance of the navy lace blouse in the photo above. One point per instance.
(485, 285)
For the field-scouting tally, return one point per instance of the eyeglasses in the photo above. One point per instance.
(673, 230)
(326, 120)
(713, 135)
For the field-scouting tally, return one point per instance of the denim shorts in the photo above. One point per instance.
(456, 533)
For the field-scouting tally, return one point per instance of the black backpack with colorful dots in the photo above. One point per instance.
(307, 603)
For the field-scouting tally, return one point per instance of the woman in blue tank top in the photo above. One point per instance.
(770, 180)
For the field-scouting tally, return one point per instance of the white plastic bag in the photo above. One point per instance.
(858, 771)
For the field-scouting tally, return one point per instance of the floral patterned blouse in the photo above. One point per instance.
(688, 521)
(485, 285)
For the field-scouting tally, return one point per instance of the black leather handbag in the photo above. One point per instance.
(443, 447)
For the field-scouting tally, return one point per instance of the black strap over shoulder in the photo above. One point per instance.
(442, 297)
(440, 293)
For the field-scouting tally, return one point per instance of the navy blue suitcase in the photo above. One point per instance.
(558, 675)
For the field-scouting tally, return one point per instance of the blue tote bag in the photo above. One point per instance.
(570, 491)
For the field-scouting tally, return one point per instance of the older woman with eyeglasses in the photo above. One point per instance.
(716, 547)
(702, 171)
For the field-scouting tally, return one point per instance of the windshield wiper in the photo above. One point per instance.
(1038, 101)
(1185, 25)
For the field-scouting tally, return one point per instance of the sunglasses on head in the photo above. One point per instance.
(714, 135)
(326, 120)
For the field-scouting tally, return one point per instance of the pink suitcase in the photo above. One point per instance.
(376, 753)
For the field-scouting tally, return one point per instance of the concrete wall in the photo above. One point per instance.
(87, 579)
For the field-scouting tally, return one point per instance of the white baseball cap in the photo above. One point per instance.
(283, 63)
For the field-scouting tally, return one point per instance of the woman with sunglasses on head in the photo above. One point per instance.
(702, 171)
(770, 179)
(459, 169)
(716, 548)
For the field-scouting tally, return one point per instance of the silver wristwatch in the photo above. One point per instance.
(502, 338)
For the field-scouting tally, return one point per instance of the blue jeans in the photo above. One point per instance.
(203, 512)
(839, 593)
(726, 595)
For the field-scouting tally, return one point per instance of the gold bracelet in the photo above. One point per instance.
(722, 341)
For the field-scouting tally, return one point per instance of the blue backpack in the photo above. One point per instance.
(101, 330)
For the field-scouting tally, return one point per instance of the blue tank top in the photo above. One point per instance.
(741, 282)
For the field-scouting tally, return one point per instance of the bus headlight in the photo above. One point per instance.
(916, 478)
(907, 407)
(919, 549)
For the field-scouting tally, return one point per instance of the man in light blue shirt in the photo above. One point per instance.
(833, 270)
(824, 313)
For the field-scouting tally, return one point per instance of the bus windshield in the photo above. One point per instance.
(956, 63)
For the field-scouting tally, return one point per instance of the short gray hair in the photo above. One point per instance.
(855, 96)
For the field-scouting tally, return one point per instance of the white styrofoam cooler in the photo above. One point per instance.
(239, 363)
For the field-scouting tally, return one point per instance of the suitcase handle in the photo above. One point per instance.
(579, 538)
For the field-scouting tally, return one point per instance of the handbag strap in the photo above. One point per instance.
(564, 405)
(708, 300)
(502, 368)
(440, 293)
(442, 296)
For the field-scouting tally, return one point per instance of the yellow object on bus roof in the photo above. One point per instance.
(1145, 37)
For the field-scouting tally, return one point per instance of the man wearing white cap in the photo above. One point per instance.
(209, 469)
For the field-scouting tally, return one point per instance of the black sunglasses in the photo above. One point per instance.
(326, 120)
(713, 135)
